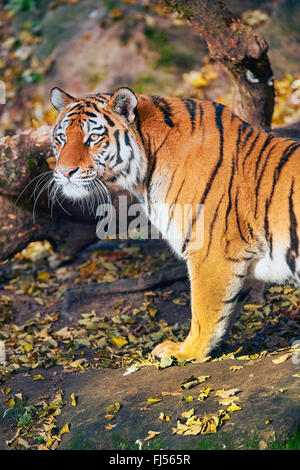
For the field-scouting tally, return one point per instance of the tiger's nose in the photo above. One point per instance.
(68, 172)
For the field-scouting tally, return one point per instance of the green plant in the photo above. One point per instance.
(16, 6)
(25, 418)
(292, 443)
(169, 56)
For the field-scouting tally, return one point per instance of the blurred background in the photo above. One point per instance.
(86, 46)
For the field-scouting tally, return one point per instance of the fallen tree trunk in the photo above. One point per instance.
(85, 294)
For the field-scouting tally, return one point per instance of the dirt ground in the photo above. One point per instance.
(62, 352)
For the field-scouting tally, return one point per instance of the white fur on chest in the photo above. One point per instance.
(161, 215)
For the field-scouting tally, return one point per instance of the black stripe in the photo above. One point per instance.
(152, 161)
(251, 148)
(165, 108)
(229, 206)
(187, 239)
(179, 191)
(117, 137)
(250, 230)
(101, 128)
(240, 296)
(293, 222)
(212, 224)
(151, 167)
(293, 251)
(94, 106)
(266, 225)
(77, 107)
(170, 184)
(92, 115)
(249, 134)
(128, 144)
(191, 107)
(110, 122)
(284, 159)
(138, 125)
(264, 147)
(86, 101)
(219, 112)
(201, 112)
(126, 137)
(238, 140)
(260, 178)
(290, 259)
(75, 113)
(238, 219)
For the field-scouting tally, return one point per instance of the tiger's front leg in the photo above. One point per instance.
(216, 287)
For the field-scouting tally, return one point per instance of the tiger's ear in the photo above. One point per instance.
(124, 103)
(60, 99)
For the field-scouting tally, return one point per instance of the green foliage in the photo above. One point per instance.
(110, 4)
(169, 56)
(78, 443)
(22, 413)
(292, 443)
(125, 443)
(16, 6)
(121, 443)
(26, 417)
(183, 11)
(248, 442)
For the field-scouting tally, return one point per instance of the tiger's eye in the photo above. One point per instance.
(94, 137)
(62, 137)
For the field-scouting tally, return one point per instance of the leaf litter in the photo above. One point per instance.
(126, 338)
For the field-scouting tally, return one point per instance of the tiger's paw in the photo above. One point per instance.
(168, 348)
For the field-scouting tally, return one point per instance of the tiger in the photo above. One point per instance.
(170, 152)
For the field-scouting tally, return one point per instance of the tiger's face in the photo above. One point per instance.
(94, 143)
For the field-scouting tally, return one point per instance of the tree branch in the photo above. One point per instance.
(240, 50)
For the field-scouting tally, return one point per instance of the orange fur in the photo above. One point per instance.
(198, 152)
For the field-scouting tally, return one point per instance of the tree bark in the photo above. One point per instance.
(242, 52)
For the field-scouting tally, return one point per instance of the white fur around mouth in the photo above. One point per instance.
(73, 191)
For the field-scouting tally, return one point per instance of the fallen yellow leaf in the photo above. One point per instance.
(152, 435)
(74, 399)
(119, 341)
(164, 417)
(281, 359)
(66, 428)
(188, 414)
(38, 377)
(151, 400)
(233, 407)
(113, 408)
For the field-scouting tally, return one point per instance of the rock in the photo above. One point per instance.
(266, 412)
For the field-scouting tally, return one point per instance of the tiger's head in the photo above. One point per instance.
(95, 143)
